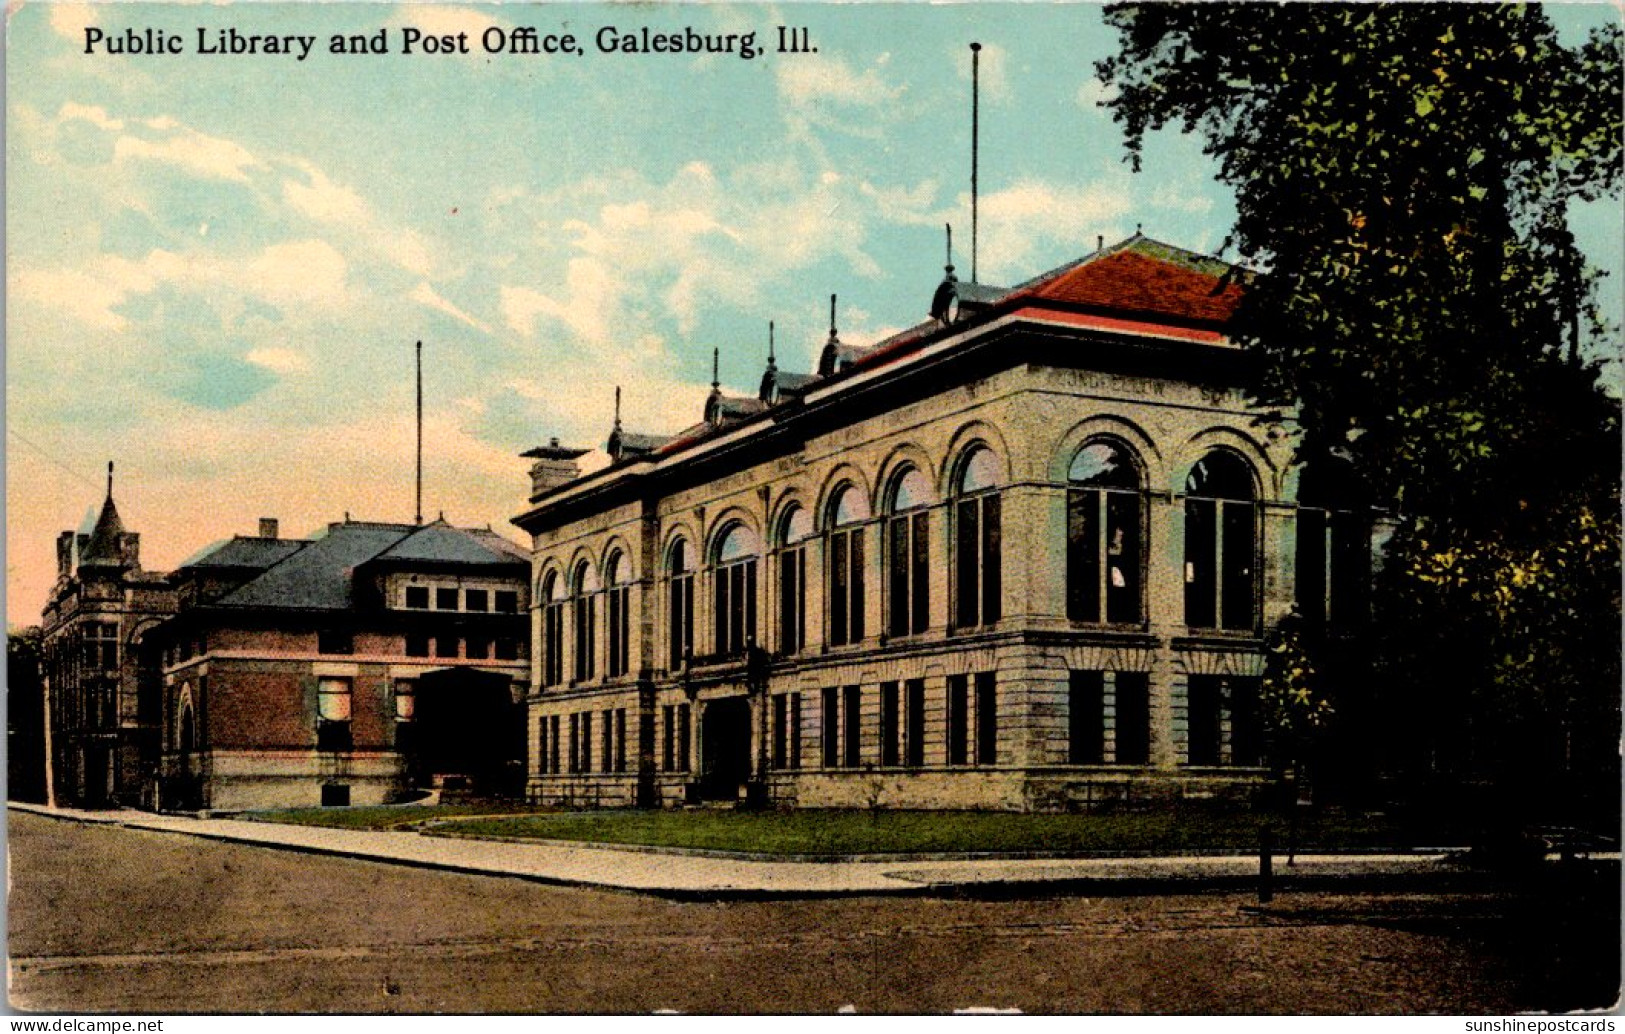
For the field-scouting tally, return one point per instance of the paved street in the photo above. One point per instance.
(104, 918)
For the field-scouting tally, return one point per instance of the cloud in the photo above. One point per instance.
(1094, 93)
(816, 79)
(991, 70)
(197, 153)
(278, 360)
(94, 114)
(426, 295)
(71, 20)
(1018, 221)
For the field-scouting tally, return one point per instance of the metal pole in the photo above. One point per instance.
(418, 519)
(975, 132)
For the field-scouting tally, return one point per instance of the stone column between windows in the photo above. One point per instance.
(1029, 557)
(814, 594)
(1279, 540)
(874, 579)
(940, 564)
(1165, 605)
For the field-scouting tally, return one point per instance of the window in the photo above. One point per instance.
(795, 528)
(781, 730)
(987, 718)
(552, 629)
(682, 737)
(405, 700)
(619, 598)
(851, 726)
(445, 599)
(846, 599)
(585, 607)
(830, 727)
(333, 714)
(507, 601)
(1334, 547)
(978, 571)
(553, 740)
(620, 739)
(1204, 730)
(735, 590)
(1109, 718)
(1103, 522)
(914, 738)
(477, 648)
(335, 642)
(575, 743)
(445, 646)
(891, 733)
(476, 600)
(668, 752)
(417, 597)
(417, 645)
(101, 645)
(506, 648)
(1220, 544)
(908, 554)
(958, 719)
(586, 742)
(606, 756)
(674, 758)
(335, 795)
(681, 613)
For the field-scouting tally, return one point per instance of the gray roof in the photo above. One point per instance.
(103, 547)
(319, 576)
(441, 543)
(319, 573)
(243, 551)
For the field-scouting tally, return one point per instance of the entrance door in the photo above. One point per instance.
(468, 732)
(725, 748)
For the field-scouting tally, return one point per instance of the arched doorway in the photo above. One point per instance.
(468, 733)
(725, 748)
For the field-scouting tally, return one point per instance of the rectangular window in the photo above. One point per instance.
(405, 700)
(1246, 725)
(606, 754)
(1086, 718)
(914, 704)
(507, 601)
(792, 585)
(620, 739)
(846, 587)
(852, 726)
(908, 570)
(506, 648)
(335, 642)
(575, 743)
(543, 757)
(1201, 555)
(478, 600)
(1202, 720)
(682, 619)
(958, 719)
(682, 738)
(795, 730)
(619, 631)
(891, 738)
(781, 730)
(553, 644)
(553, 739)
(333, 714)
(417, 597)
(101, 645)
(669, 729)
(335, 795)
(735, 607)
(586, 644)
(586, 741)
(987, 718)
(477, 648)
(1239, 537)
(1133, 727)
(417, 646)
(978, 561)
(830, 721)
(445, 599)
(445, 646)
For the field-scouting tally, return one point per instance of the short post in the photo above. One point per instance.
(1266, 865)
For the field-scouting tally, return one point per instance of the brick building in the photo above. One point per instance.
(345, 668)
(1023, 555)
(102, 699)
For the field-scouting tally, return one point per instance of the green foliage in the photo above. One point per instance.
(1403, 174)
(1293, 698)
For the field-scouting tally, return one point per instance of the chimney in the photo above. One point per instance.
(555, 465)
(268, 527)
(64, 554)
(129, 549)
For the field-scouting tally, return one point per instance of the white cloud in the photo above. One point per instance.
(278, 360)
(210, 157)
(94, 114)
(71, 20)
(1094, 93)
(426, 295)
(332, 204)
(1015, 222)
(991, 70)
(816, 79)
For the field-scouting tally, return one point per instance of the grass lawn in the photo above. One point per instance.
(398, 816)
(859, 832)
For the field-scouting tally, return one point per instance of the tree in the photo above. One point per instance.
(1403, 176)
(25, 716)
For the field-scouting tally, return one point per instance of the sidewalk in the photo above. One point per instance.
(686, 876)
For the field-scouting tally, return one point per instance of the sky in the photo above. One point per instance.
(218, 264)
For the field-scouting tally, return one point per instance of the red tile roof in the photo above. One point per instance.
(1144, 276)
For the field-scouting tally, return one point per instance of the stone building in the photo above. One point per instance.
(345, 668)
(1023, 555)
(102, 698)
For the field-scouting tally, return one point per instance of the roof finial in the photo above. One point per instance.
(109, 479)
(832, 334)
(1100, 242)
(716, 381)
(617, 407)
(949, 265)
(770, 358)
(1137, 227)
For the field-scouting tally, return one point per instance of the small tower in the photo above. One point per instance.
(829, 359)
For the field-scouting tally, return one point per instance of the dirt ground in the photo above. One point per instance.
(107, 919)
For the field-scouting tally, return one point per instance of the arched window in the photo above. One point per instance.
(978, 569)
(795, 528)
(847, 512)
(734, 586)
(1103, 521)
(552, 629)
(586, 587)
(1334, 546)
(680, 569)
(1221, 533)
(187, 738)
(908, 554)
(619, 579)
